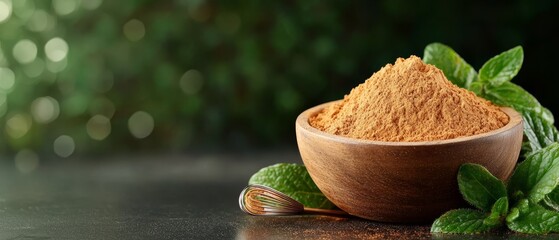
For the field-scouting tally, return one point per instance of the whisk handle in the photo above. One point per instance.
(325, 211)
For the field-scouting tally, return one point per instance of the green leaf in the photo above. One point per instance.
(538, 175)
(539, 132)
(294, 181)
(503, 67)
(461, 221)
(551, 200)
(533, 219)
(548, 116)
(511, 95)
(454, 67)
(538, 121)
(501, 207)
(479, 187)
(498, 212)
(477, 88)
(513, 215)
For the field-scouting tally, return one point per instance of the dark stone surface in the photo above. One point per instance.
(172, 197)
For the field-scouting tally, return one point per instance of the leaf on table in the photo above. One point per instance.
(535, 219)
(538, 175)
(503, 67)
(454, 67)
(461, 221)
(479, 187)
(293, 180)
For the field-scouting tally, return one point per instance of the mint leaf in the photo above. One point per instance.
(498, 212)
(538, 131)
(547, 115)
(461, 221)
(533, 219)
(551, 200)
(511, 95)
(503, 67)
(513, 215)
(479, 187)
(294, 181)
(538, 121)
(538, 175)
(477, 87)
(454, 67)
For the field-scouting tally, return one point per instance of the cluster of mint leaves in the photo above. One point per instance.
(529, 203)
(493, 83)
(532, 182)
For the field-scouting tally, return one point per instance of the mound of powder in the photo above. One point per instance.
(409, 101)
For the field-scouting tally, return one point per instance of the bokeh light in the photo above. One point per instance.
(64, 7)
(191, 82)
(76, 103)
(91, 4)
(102, 106)
(7, 79)
(45, 109)
(134, 30)
(56, 67)
(34, 68)
(5, 10)
(26, 161)
(98, 127)
(23, 9)
(64, 146)
(56, 49)
(38, 21)
(18, 125)
(141, 124)
(25, 51)
(41, 21)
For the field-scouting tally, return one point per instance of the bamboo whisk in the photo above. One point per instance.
(261, 200)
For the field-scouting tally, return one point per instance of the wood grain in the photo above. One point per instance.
(402, 182)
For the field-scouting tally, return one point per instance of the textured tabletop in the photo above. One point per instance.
(167, 197)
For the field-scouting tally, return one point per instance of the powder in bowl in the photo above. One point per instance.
(409, 101)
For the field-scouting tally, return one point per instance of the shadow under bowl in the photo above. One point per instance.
(401, 182)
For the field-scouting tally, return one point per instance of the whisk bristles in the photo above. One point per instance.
(262, 200)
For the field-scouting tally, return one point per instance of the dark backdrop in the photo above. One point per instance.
(146, 75)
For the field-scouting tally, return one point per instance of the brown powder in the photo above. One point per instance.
(409, 101)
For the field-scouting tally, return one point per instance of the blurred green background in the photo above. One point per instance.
(93, 77)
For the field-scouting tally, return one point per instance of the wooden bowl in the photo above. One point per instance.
(401, 182)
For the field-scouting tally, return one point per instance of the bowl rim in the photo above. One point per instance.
(302, 122)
